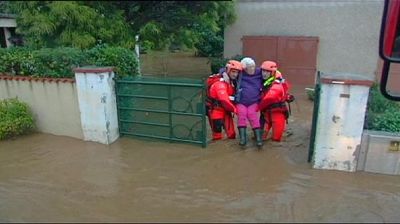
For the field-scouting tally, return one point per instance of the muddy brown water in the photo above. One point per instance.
(47, 178)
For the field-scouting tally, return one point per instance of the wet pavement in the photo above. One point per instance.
(47, 178)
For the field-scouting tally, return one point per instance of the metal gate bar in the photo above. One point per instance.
(176, 118)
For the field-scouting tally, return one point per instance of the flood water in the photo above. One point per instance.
(47, 178)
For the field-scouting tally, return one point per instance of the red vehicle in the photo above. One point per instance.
(389, 44)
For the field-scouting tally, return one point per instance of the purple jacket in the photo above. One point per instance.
(249, 87)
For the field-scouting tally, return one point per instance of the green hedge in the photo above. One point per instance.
(17, 60)
(59, 62)
(123, 60)
(15, 118)
(382, 114)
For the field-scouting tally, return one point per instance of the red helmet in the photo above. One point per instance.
(269, 66)
(233, 64)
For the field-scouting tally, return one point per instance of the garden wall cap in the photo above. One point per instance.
(387, 134)
(346, 79)
(93, 69)
(4, 76)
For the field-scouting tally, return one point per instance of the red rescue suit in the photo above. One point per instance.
(221, 107)
(273, 106)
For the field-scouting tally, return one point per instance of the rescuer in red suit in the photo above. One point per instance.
(273, 102)
(220, 100)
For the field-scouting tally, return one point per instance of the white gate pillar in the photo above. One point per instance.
(97, 104)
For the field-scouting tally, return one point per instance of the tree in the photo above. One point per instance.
(178, 22)
(211, 43)
(70, 23)
(4, 6)
(161, 24)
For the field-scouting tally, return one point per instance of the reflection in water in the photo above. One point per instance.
(60, 179)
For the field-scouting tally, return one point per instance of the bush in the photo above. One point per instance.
(382, 114)
(59, 62)
(217, 63)
(310, 93)
(15, 118)
(17, 61)
(123, 60)
(3, 52)
(211, 44)
(385, 122)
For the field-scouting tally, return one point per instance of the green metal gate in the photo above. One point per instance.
(161, 108)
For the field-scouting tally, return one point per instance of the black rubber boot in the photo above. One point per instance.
(242, 136)
(258, 134)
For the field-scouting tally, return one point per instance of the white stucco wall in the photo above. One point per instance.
(348, 31)
(54, 105)
(379, 156)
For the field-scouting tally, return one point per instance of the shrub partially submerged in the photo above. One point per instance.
(15, 118)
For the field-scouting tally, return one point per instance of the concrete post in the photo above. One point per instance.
(340, 121)
(7, 36)
(97, 104)
(137, 51)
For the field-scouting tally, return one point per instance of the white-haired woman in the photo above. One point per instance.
(248, 96)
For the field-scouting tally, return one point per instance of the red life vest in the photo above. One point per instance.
(210, 102)
(219, 93)
(277, 98)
